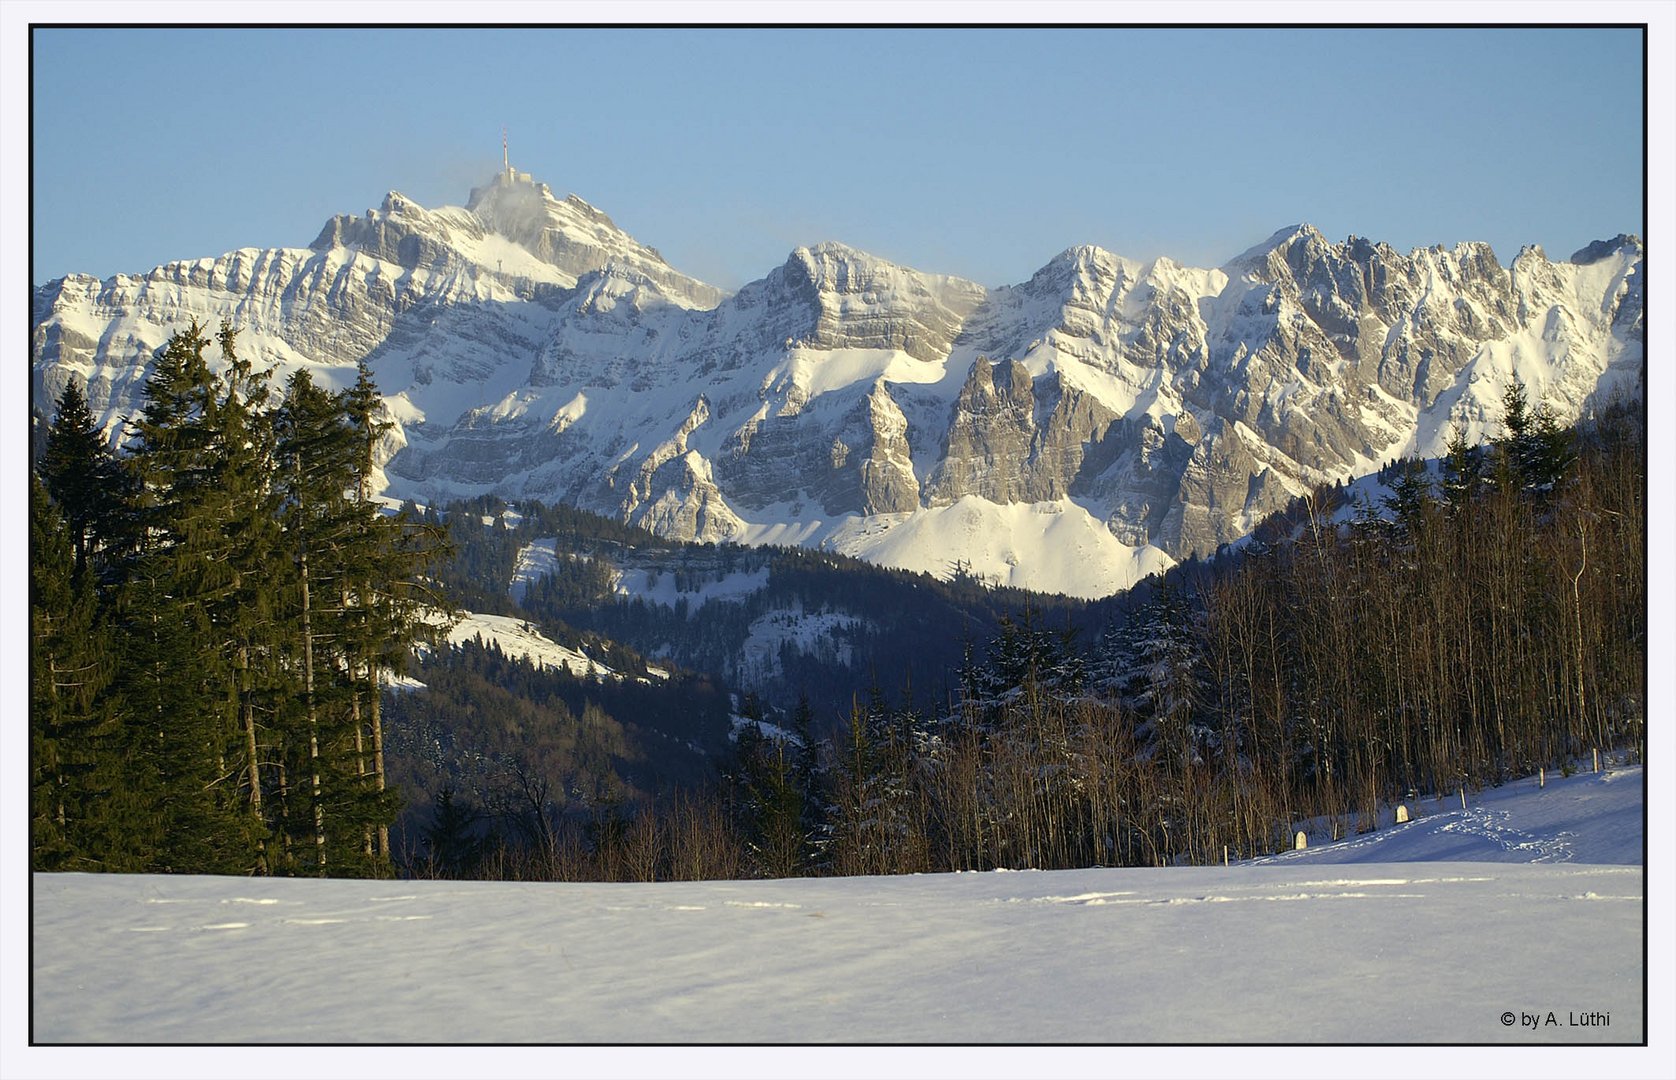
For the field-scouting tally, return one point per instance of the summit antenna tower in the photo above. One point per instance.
(508, 175)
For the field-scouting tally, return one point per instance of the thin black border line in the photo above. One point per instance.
(1644, 27)
(583, 27)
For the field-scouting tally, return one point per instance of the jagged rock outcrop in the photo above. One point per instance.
(864, 303)
(987, 450)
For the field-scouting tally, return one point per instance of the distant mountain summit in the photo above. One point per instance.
(503, 226)
(1071, 433)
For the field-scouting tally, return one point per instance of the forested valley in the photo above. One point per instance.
(220, 607)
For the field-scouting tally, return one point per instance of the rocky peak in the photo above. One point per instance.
(527, 213)
(1624, 243)
(835, 267)
(566, 238)
(1084, 270)
(841, 270)
(399, 231)
(1278, 245)
(574, 236)
(859, 301)
(521, 212)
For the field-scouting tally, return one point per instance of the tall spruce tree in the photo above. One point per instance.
(332, 537)
(1535, 450)
(195, 604)
(87, 482)
(75, 750)
(310, 451)
(389, 603)
(248, 619)
(1411, 501)
(1158, 669)
(1462, 472)
(771, 803)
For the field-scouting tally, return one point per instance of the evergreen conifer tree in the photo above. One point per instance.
(86, 481)
(772, 803)
(197, 453)
(1535, 451)
(74, 732)
(1411, 500)
(387, 600)
(452, 846)
(1462, 472)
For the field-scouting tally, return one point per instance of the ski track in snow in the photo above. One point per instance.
(1492, 825)
(334, 918)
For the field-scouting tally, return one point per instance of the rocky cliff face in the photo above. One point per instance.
(527, 346)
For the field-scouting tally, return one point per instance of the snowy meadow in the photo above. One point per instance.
(1527, 905)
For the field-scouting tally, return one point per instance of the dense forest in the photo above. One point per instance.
(526, 748)
(212, 611)
(215, 609)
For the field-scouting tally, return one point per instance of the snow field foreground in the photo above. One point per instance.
(1397, 953)
(1296, 951)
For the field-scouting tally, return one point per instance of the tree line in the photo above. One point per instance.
(215, 606)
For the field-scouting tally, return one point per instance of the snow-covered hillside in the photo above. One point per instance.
(521, 641)
(1529, 903)
(1049, 547)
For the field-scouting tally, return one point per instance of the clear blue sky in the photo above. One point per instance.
(980, 153)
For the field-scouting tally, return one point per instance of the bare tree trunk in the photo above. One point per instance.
(253, 763)
(375, 709)
(284, 814)
(313, 720)
(1577, 607)
(360, 763)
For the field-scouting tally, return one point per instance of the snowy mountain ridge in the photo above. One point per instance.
(1071, 433)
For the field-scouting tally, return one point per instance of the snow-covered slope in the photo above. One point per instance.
(521, 641)
(1413, 947)
(531, 349)
(1585, 818)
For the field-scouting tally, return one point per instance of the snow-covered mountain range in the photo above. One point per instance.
(1071, 433)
